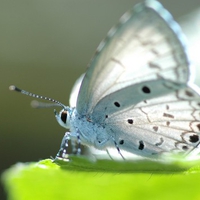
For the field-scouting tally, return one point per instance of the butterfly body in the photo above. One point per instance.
(89, 132)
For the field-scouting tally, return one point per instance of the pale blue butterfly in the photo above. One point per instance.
(137, 95)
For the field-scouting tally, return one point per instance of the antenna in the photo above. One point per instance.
(14, 88)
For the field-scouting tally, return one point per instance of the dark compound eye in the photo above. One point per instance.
(146, 90)
(64, 116)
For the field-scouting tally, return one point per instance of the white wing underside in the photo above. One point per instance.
(74, 92)
(141, 47)
(146, 48)
(167, 123)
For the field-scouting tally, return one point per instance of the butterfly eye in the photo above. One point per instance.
(64, 116)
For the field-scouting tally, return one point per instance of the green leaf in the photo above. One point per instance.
(81, 178)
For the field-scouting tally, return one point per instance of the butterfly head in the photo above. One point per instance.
(62, 117)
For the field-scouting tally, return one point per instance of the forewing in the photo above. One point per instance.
(145, 45)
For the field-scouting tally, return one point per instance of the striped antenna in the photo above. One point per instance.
(14, 88)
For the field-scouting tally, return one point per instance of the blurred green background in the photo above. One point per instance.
(44, 46)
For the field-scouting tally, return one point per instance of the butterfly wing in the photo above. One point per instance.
(74, 92)
(145, 46)
(163, 124)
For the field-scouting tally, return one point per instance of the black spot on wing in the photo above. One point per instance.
(167, 123)
(194, 138)
(155, 128)
(185, 148)
(130, 121)
(117, 104)
(198, 126)
(141, 145)
(168, 115)
(121, 142)
(160, 142)
(188, 93)
(153, 65)
(146, 90)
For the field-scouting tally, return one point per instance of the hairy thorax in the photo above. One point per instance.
(90, 133)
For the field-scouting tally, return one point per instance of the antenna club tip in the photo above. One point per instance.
(14, 88)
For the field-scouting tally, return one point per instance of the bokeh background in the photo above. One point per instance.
(44, 46)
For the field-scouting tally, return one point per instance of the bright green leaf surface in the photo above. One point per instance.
(103, 179)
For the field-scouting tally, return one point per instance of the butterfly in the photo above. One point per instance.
(137, 94)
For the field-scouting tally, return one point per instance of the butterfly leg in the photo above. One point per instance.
(62, 153)
(75, 140)
(118, 149)
(73, 144)
(78, 142)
